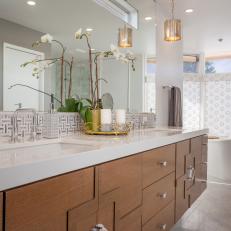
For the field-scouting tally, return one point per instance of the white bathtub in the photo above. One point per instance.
(219, 160)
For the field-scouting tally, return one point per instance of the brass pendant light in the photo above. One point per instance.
(125, 37)
(172, 28)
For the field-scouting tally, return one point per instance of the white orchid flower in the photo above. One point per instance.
(47, 38)
(78, 34)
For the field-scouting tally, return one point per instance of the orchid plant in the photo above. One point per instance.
(46, 63)
(114, 51)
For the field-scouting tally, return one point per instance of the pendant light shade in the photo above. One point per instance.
(172, 28)
(125, 37)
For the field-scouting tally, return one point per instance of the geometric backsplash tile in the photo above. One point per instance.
(68, 123)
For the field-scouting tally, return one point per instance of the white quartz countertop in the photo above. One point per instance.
(29, 162)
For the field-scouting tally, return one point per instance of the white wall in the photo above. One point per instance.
(117, 75)
(169, 69)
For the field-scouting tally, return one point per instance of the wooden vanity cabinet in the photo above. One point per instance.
(117, 200)
(192, 154)
(1, 211)
(146, 191)
(44, 205)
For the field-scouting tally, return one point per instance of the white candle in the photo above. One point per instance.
(120, 116)
(106, 117)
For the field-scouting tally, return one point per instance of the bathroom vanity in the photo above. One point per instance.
(145, 181)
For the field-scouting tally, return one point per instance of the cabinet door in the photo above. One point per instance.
(84, 217)
(1, 211)
(125, 174)
(44, 205)
(182, 150)
(132, 221)
(108, 213)
(182, 198)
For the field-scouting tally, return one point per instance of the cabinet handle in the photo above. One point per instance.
(163, 163)
(190, 173)
(99, 227)
(163, 195)
(163, 227)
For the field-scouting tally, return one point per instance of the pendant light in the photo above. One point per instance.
(125, 37)
(172, 27)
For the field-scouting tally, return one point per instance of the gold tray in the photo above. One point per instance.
(111, 133)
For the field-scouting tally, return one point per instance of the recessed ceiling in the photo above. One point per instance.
(63, 18)
(202, 29)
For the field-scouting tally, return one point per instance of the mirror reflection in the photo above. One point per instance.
(55, 53)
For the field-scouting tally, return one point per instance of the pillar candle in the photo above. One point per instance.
(106, 116)
(120, 116)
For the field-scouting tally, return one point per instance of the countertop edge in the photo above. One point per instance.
(33, 172)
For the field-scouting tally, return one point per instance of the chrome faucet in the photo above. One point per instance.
(15, 128)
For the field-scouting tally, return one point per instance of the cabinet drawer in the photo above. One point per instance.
(1, 211)
(182, 150)
(162, 221)
(158, 163)
(204, 153)
(157, 196)
(182, 198)
(131, 222)
(45, 204)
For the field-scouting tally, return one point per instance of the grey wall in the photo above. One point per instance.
(21, 36)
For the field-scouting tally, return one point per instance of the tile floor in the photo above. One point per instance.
(212, 211)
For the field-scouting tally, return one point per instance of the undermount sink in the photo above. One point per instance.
(40, 152)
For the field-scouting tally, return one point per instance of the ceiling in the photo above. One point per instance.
(62, 20)
(202, 29)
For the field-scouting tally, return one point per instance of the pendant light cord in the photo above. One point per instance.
(173, 8)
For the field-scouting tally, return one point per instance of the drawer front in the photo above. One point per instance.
(1, 211)
(182, 150)
(45, 204)
(204, 153)
(157, 196)
(162, 221)
(158, 163)
(182, 198)
(132, 221)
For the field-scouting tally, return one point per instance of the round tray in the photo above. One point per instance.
(111, 133)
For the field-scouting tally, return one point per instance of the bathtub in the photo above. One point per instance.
(219, 160)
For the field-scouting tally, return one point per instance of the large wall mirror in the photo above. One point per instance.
(21, 25)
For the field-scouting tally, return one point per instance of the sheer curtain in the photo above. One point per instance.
(207, 102)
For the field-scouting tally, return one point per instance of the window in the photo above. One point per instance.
(218, 64)
(207, 102)
(191, 63)
(150, 85)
